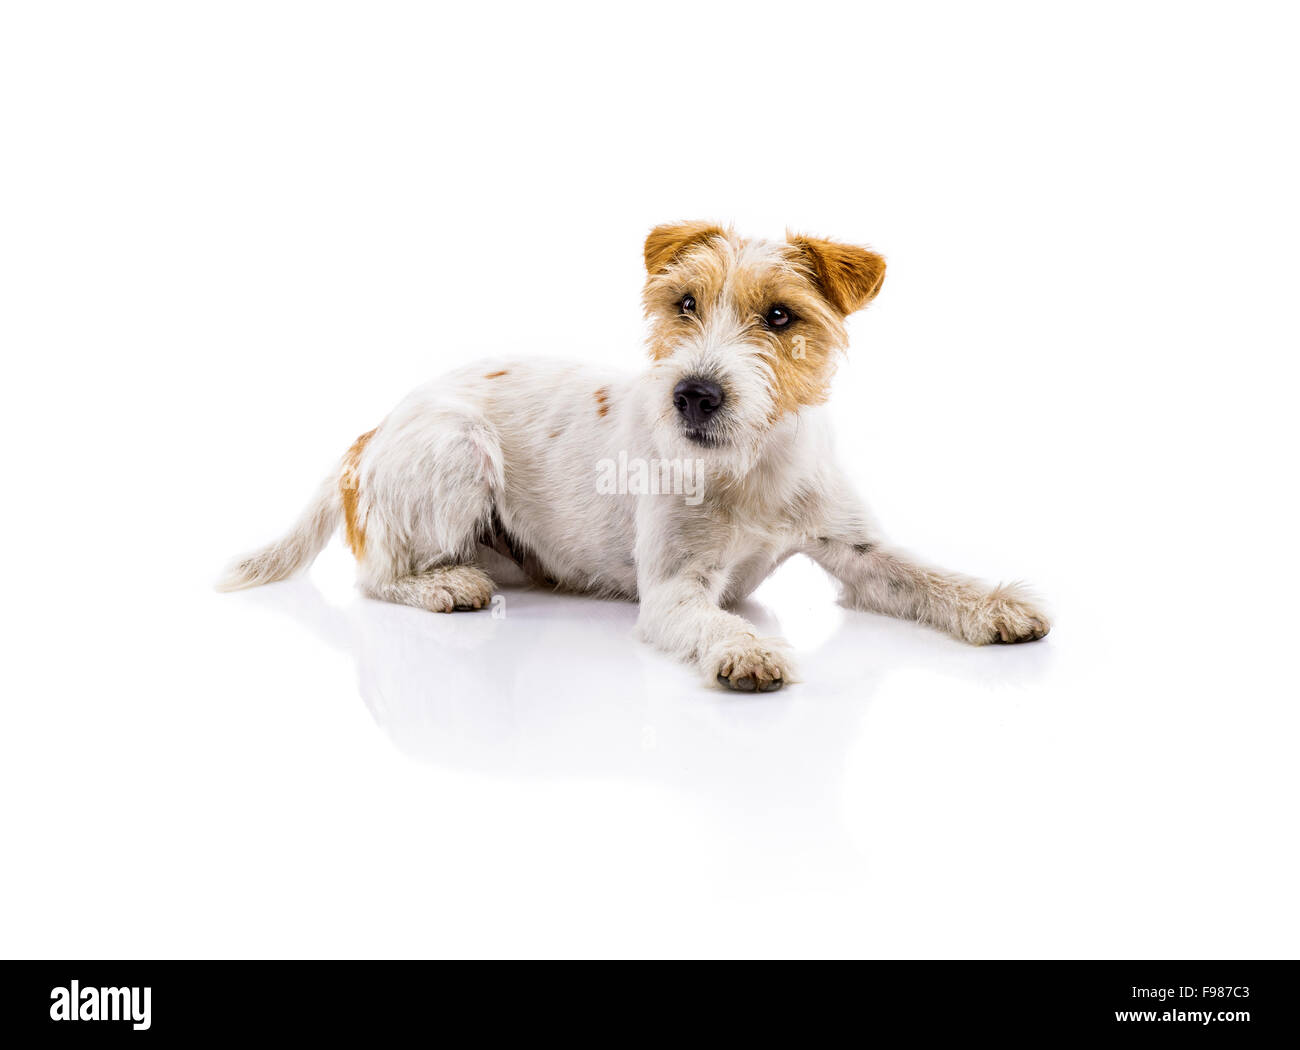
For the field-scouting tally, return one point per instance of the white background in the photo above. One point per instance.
(232, 235)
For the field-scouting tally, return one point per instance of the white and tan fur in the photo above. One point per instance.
(492, 467)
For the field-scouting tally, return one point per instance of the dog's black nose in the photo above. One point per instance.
(697, 400)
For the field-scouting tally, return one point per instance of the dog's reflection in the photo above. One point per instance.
(554, 685)
(542, 683)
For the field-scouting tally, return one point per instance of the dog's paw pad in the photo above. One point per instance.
(749, 685)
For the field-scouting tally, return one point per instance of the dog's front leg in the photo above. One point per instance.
(880, 580)
(680, 614)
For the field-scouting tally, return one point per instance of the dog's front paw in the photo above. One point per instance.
(1005, 616)
(750, 665)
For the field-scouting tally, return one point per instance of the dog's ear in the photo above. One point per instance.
(666, 242)
(847, 275)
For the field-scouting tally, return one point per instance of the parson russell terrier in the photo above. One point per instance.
(503, 462)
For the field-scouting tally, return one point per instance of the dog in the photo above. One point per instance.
(682, 487)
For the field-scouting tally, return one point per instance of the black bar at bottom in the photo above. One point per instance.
(165, 1001)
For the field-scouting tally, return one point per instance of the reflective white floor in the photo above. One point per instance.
(299, 771)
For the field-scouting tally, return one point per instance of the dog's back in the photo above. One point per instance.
(501, 454)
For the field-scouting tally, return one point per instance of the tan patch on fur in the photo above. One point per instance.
(849, 276)
(553, 434)
(602, 401)
(699, 267)
(349, 487)
(805, 380)
(496, 375)
(664, 243)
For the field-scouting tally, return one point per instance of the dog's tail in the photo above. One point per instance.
(295, 551)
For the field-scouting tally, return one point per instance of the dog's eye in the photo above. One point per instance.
(778, 317)
(687, 304)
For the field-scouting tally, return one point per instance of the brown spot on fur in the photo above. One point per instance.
(350, 487)
(553, 434)
(496, 375)
(602, 401)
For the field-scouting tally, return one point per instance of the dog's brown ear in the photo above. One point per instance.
(666, 242)
(847, 275)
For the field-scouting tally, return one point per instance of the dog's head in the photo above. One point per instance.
(744, 333)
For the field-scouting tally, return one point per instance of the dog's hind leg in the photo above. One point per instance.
(447, 588)
(417, 495)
